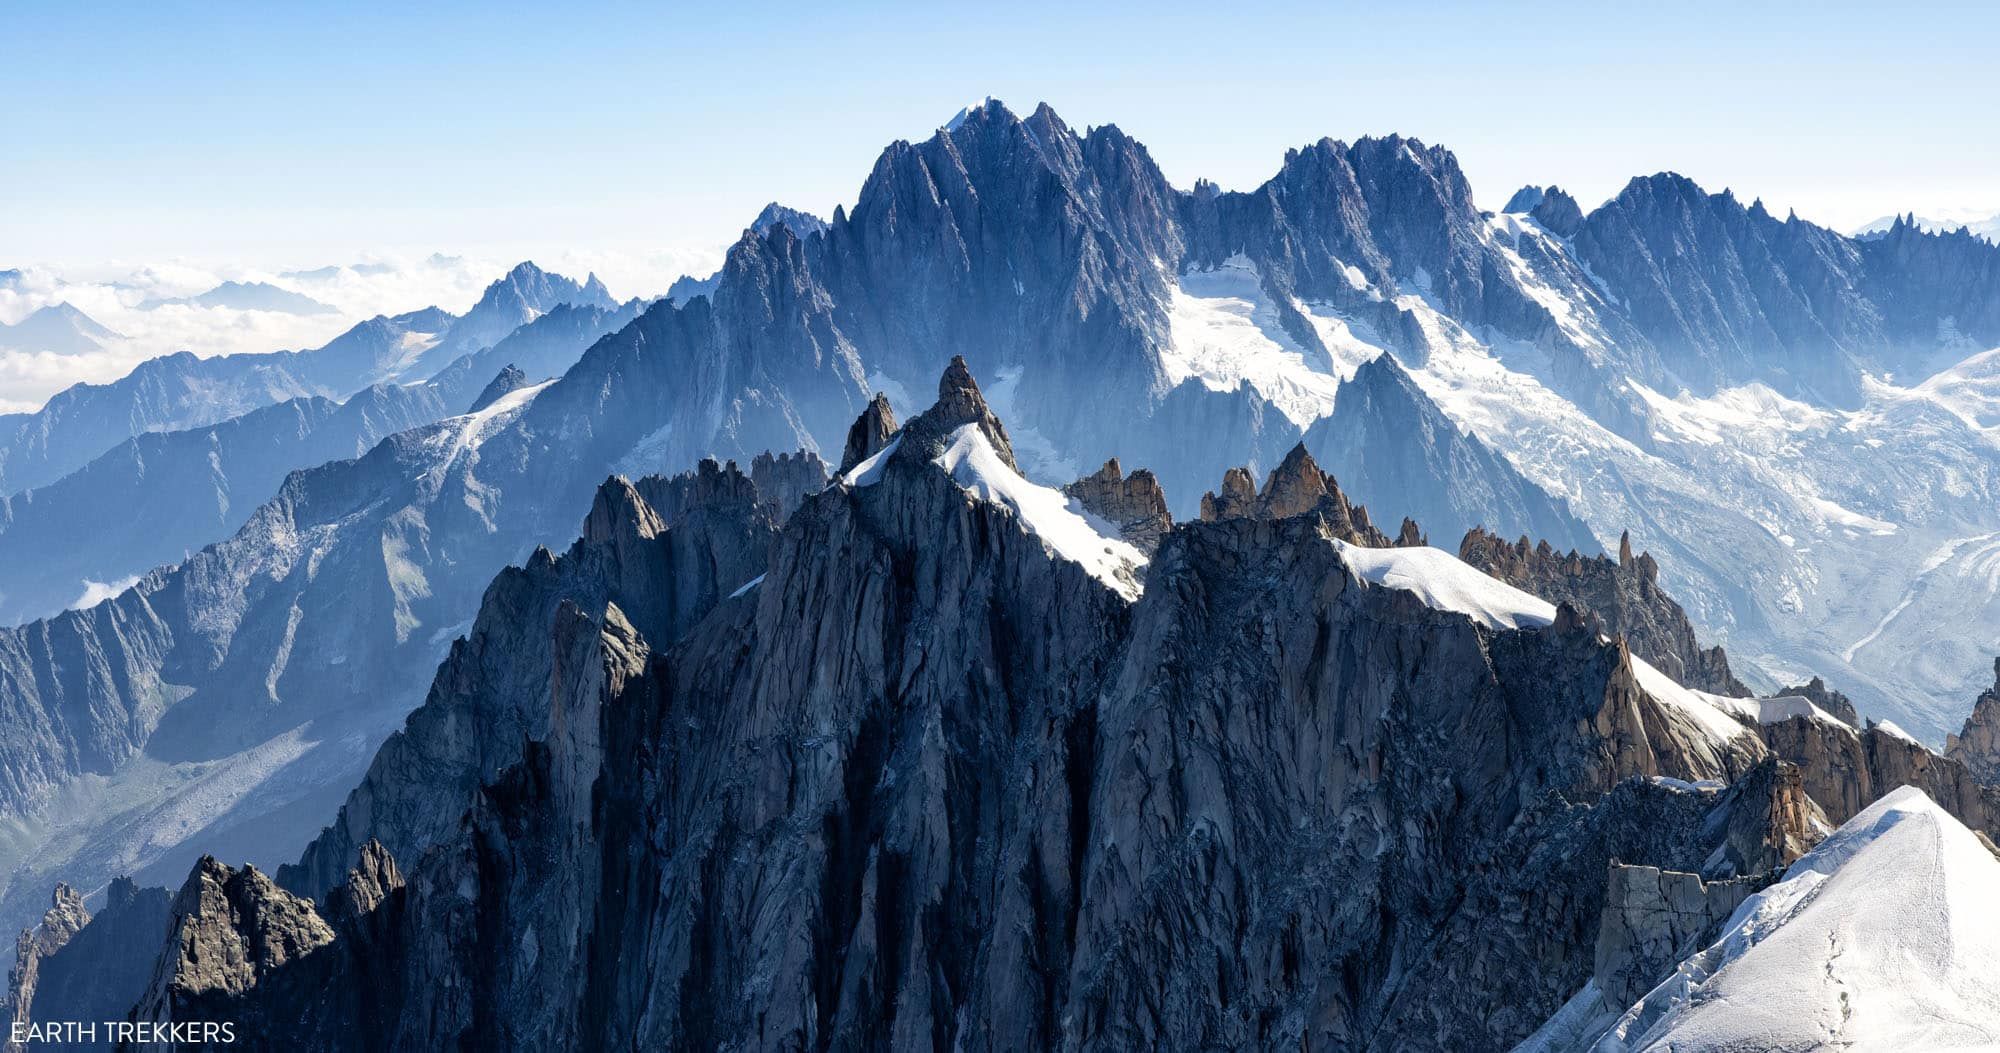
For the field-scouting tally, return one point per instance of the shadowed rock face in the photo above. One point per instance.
(65, 918)
(1653, 919)
(663, 552)
(1625, 593)
(101, 969)
(869, 434)
(925, 784)
(1977, 745)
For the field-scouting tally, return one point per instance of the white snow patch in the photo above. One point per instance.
(1782, 708)
(747, 586)
(1889, 728)
(1712, 712)
(1058, 520)
(464, 434)
(1699, 785)
(1447, 583)
(869, 471)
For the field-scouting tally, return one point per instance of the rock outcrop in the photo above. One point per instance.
(231, 931)
(1625, 593)
(100, 972)
(1846, 770)
(1837, 705)
(1134, 505)
(506, 382)
(65, 918)
(1295, 487)
(869, 433)
(1977, 744)
(1652, 919)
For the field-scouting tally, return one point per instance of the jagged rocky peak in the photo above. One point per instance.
(958, 404)
(1295, 487)
(801, 223)
(1624, 592)
(868, 434)
(776, 482)
(1411, 536)
(709, 485)
(508, 381)
(65, 918)
(1977, 744)
(230, 929)
(1134, 504)
(618, 509)
(783, 480)
(374, 878)
(1551, 206)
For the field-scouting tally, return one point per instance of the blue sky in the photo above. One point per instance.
(289, 136)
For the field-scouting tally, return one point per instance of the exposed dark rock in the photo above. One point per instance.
(231, 929)
(1977, 744)
(507, 382)
(1134, 505)
(869, 434)
(1845, 770)
(65, 918)
(663, 570)
(1294, 488)
(786, 480)
(1625, 593)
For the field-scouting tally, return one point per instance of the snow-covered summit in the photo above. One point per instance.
(1886, 936)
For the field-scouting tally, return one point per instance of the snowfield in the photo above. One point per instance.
(1224, 331)
(1885, 937)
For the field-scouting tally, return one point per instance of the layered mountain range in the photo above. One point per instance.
(1789, 431)
(60, 328)
(183, 391)
(935, 757)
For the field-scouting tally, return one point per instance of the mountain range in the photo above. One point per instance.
(1171, 734)
(933, 757)
(59, 327)
(246, 296)
(183, 390)
(1979, 223)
